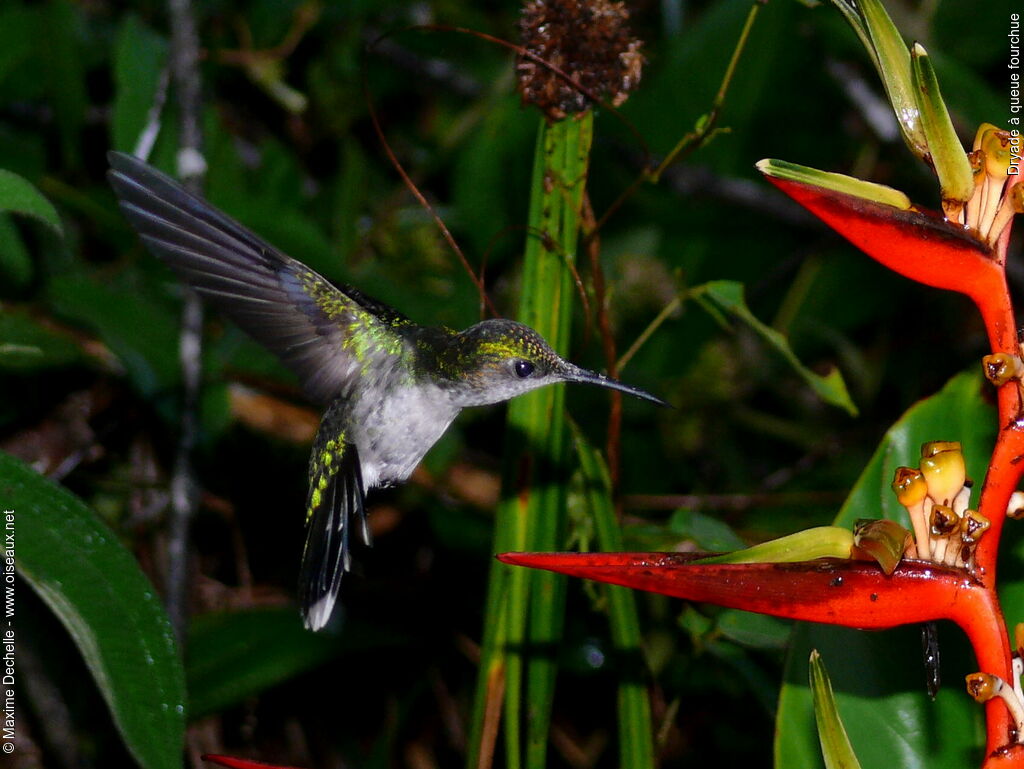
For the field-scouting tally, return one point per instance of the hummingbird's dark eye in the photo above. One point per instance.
(523, 368)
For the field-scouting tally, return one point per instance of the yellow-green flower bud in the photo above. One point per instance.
(995, 144)
(945, 473)
(931, 448)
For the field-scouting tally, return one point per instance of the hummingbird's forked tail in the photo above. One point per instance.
(335, 503)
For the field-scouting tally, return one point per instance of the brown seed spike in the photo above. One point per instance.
(589, 41)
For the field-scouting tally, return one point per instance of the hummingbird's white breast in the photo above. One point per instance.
(393, 432)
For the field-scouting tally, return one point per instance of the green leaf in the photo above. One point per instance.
(15, 260)
(879, 684)
(636, 744)
(835, 745)
(143, 335)
(727, 296)
(61, 66)
(707, 533)
(95, 587)
(234, 655)
(27, 346)
(139, 56)
(879, 677)
(19, 196)
(755, 630)
(16, 41)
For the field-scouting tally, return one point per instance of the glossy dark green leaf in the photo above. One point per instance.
(95, 587)
(758, 631)
(879, 678)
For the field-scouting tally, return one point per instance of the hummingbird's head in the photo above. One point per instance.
(500, 359)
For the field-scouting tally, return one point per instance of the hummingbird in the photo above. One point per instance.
(389, 387)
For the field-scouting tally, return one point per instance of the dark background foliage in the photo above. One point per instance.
(748, 443)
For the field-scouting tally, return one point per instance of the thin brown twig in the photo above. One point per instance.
(692, 140)
(411, 186)
(525, 53)
(593, 248)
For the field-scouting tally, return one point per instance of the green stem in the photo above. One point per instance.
(532, 512)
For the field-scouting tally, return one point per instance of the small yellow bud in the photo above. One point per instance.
(944, 471)
(909, 486)
(983, 686)
(1001, 368)
(1018, 637)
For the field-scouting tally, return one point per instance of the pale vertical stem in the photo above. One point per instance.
(191, 169)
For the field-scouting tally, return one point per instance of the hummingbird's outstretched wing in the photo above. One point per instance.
(317, 329)
(335, 502)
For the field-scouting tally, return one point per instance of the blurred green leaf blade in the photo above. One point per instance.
(27, 346)
(19, 196)
(139, 57)
(234, 655)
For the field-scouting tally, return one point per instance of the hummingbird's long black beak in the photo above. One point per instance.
(577, 374)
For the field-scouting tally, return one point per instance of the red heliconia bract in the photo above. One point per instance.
(928, 249)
